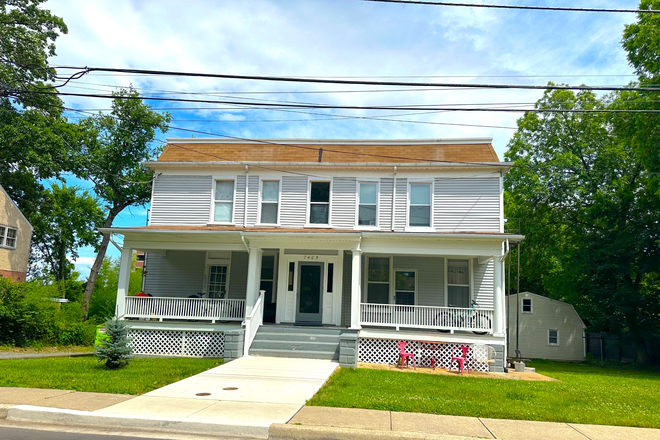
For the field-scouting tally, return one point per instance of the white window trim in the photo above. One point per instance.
(365, 283)
(279, 201)
(233, 209)
(216, 262)
(357, 204)
(308, 209)
(3, 239)
(416, 282)
(409, 228)
(553, 330)
(531, 306)
(471, 276)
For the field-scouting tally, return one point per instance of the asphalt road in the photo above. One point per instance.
(7, 433)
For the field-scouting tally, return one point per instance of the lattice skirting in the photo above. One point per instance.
(178, 343)
(386, 351)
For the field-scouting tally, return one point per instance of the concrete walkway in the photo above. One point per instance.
(416, 425)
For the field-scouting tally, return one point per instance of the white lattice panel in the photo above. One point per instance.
(386, 351)
(178, 343)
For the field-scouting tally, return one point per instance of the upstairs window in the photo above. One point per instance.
(319, 203)
(223, 209)
(270, 197)
(368, 208)
(458, 283)
(8, 237)
(420, 205)
(553, 337)
(527, 305)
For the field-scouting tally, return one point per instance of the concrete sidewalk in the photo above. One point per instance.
(63, 399)
(317, 422)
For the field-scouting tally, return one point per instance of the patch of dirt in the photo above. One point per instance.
(443, 372)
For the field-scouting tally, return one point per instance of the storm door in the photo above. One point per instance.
(310, 285)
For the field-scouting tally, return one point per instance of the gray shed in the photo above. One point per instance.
(548, 329)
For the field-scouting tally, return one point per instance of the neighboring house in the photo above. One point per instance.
(547, 328)
(339, 248)
(15, 237)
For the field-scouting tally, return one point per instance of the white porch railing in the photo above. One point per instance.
(184, 308)
(439, 318)
(253, 322)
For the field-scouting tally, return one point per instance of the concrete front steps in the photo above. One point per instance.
(304, 342)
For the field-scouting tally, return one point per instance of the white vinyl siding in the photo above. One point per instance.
(484, 283)
(178, 274)
(253, 200)
(294, 201)
(239, 200)
(181, 200)
(401, 204)
(343, 202)
(430, 278)
(467, 204)
(385, 204)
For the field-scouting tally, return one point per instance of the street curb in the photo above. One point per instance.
(4, 408)
(280, 431)
(56, 416)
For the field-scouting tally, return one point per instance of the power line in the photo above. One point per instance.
(359, 82)
(348, 107)
(535, 8)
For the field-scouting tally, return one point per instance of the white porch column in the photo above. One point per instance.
(356, 289)
(253, 279)
(498, 300)
(123, 282)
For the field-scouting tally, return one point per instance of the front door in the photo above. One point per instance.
(310, 282)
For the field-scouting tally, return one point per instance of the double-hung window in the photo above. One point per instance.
(367, 204)
(553, 337)
(404, 287)
(527, 305)
(378, 280)
(270, 197)
(458, 283)
(8, 237)
(319, 203)
(223, 208)
(419, 198)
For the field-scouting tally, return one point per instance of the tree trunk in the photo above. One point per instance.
(94, 272)
(641, 356)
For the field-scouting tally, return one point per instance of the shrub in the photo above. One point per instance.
(115, 350)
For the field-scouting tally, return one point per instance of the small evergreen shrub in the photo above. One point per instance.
(116, 350)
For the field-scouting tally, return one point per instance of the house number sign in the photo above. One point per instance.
(311, 257)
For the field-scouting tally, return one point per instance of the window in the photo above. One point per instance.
(527, 305)
(368, 208)
(270, 195)
(8, 237)
(458, 283)
(405, 286)
(217, 281)
(420, 205)
(378, 281)
(224, 201)
(553, 337)
(292, 273)
(319, 206)
(331, 274)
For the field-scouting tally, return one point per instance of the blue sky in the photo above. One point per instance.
(336, 38)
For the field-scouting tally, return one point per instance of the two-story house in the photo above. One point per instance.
(332, 249)
(15, 238)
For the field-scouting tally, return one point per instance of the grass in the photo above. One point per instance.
(87, 374)
(583, 394)
(47, 349)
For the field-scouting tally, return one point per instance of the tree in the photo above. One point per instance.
(104, 298)
(115, 350)
(112, 157)
(66, 220)
(589, 214)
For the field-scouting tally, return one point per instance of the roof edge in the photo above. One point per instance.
(17, 208)
(439, 141)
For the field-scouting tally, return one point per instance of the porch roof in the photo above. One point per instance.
(348, 233)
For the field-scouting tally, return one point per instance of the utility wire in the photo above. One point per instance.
(349, 107)
(535, 8)
(359, 82)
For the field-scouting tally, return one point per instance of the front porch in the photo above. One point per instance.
(394, 284)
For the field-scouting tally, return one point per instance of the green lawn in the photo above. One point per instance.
(87, 374)
(585, 394)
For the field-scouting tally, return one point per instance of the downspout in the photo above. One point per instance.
(245, 203)
(247, 248)
(393, 197)
(115, 243)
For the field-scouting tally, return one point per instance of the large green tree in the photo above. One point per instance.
(112, 157)
(66, 220)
